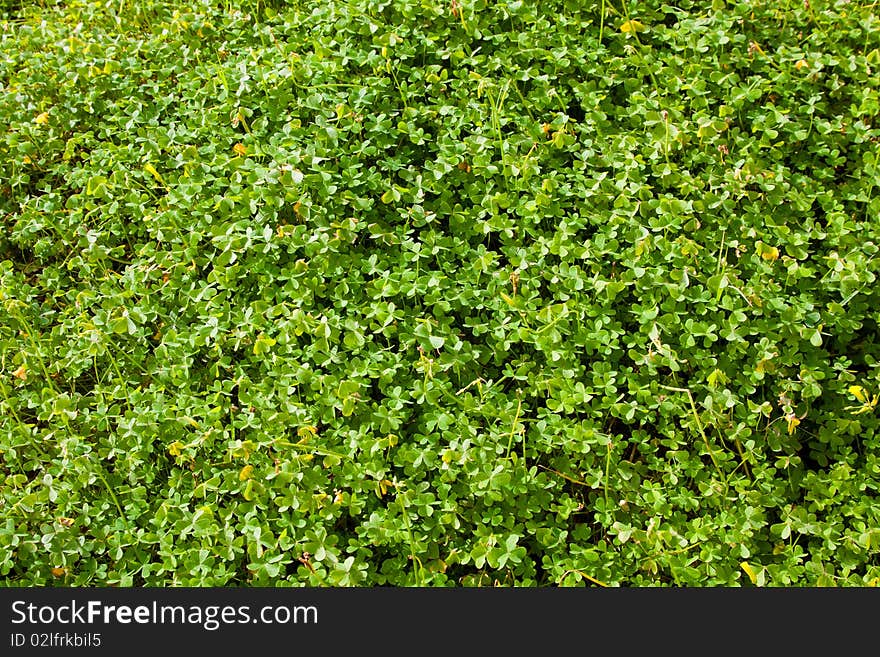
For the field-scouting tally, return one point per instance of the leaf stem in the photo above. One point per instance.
(412, 544)
(700, 428)
(513, 426)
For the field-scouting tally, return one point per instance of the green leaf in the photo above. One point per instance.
(369, 294)
(263, 345)
(96, 185)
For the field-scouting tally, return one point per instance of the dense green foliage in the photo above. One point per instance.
(439, 292)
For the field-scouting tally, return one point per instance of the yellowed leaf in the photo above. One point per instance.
(382, 487)
(149, 168)
(770, 253)
(750, 571)
(632, 26)
(858, 392)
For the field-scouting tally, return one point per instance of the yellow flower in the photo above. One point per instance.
(20, 373)
(240, 149)
(42, 118)
(801, 63)
(793, 421)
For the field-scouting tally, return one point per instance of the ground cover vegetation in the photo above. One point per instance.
(439, 292)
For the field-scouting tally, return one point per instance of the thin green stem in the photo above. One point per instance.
(36, 351)
(9, 404)
(496, 104)
(98, 472)
(417, 564)
(605, 479)
(700, 428)
(513, 427)
(322, 452)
